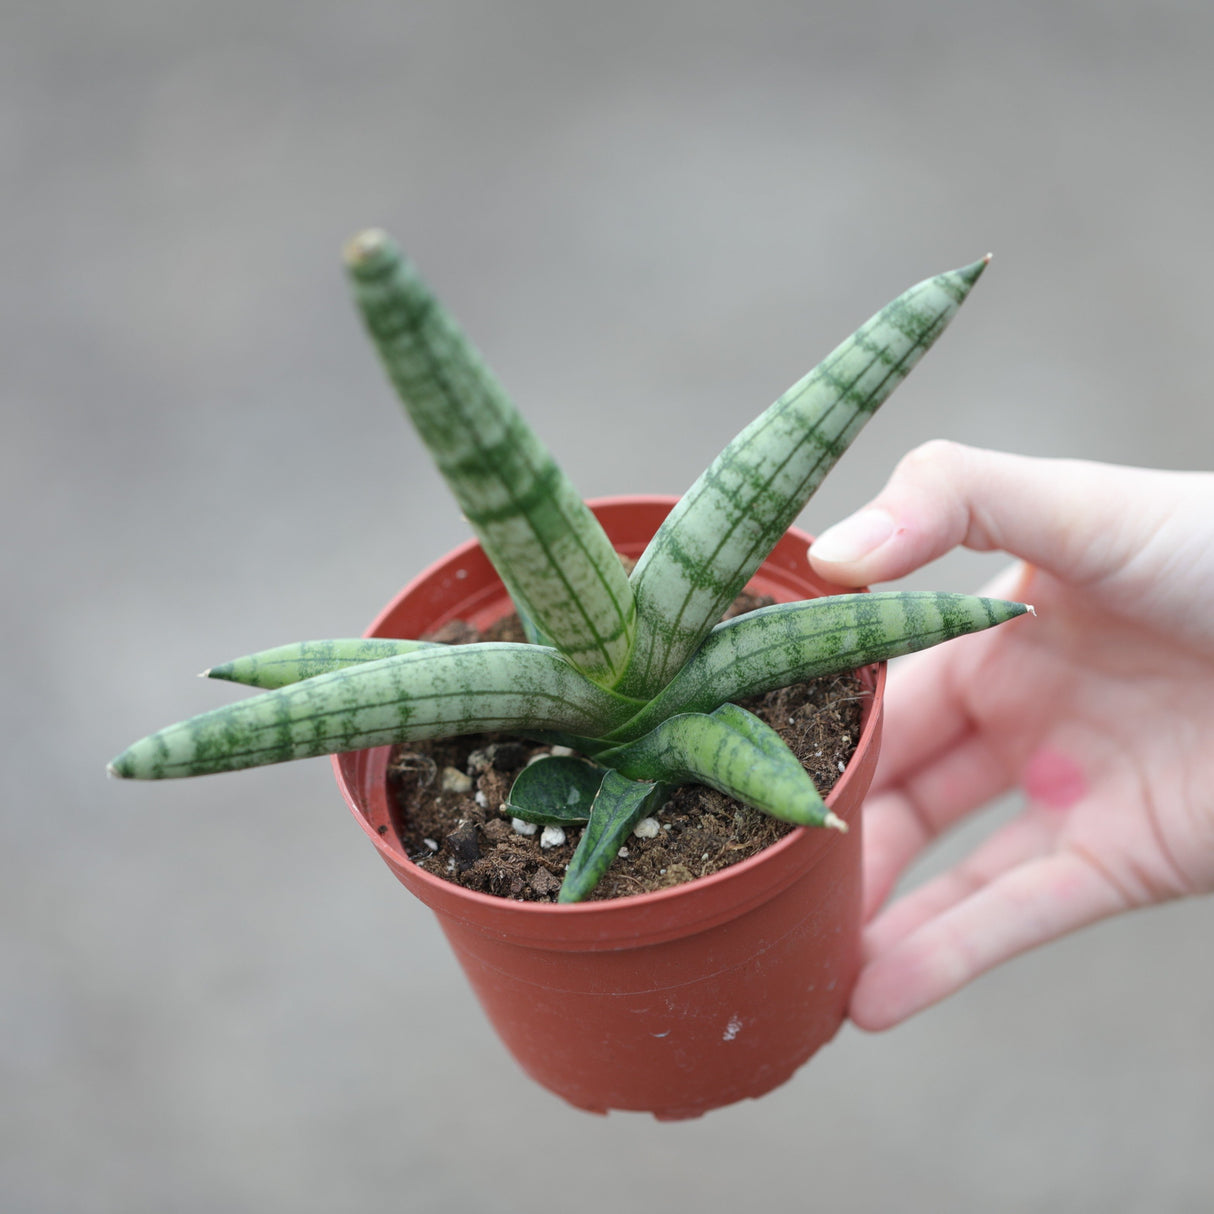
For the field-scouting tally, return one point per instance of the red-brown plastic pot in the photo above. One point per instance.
(673, 1002)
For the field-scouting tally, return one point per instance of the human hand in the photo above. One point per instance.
(1100, 710)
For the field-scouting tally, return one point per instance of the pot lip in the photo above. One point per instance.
(347, 769)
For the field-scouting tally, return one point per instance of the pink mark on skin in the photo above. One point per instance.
(1053, 780)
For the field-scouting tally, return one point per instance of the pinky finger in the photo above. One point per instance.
(1026, 907)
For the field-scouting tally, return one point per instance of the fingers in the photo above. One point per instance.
(1025, 907)
(1026, 837)
(935, 698)
(1072, 518)
(900, 823)
(949, 747)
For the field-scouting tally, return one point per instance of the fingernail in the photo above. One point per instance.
(854, 538)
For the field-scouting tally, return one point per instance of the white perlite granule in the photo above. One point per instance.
(455, 780)
(553, 836)
(646, 828)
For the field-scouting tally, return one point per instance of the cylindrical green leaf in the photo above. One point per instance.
(436, 692)
(287, 664)
(732, 517)
(732, 751)
(793, 642)
(548, 548)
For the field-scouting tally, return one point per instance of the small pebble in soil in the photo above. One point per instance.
(545, 883)
(455, 780)
(465, 843)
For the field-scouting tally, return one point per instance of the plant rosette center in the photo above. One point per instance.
(452, 813)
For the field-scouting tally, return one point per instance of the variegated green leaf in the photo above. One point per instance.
(732, 751)
(620, 804)
(287, 664)
(548, 548)
(436, 692)
(794, 642)
(556, 790)
(732, 517)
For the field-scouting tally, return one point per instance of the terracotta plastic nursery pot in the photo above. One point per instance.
(673, 1002)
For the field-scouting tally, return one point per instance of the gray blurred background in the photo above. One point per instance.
(652, 217)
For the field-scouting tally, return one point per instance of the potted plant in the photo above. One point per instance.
(684, 999)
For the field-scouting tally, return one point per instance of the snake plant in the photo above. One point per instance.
(635, 671)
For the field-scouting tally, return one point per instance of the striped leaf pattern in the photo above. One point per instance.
(548, 548)
(633, 672)
(287, 664)
(731, 518)
(441, 691)
(793, 642)
(620, 804)
(732, 751)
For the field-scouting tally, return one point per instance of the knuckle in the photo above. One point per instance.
(934, 457)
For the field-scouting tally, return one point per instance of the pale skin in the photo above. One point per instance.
(1100, 709)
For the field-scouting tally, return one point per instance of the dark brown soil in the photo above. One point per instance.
(449, 794)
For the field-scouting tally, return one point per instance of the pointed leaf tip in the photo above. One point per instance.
(549, 549)
(971, 273)
(370, 252)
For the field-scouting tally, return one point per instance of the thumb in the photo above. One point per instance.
(1080, 521)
